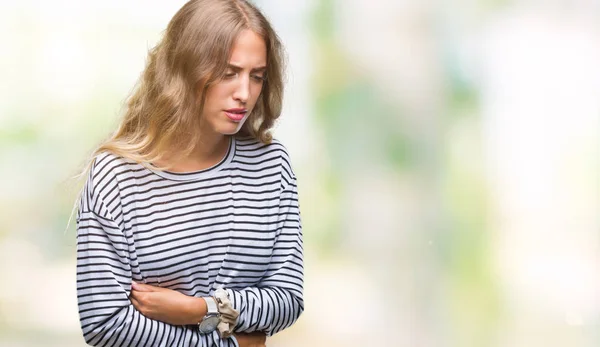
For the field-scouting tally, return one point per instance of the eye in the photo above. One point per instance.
(258, 78)
(230, 75)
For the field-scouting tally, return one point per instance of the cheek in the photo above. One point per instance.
(256, 94)
(217, 94)
(214, 99)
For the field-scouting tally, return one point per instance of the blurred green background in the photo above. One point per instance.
(447, 155)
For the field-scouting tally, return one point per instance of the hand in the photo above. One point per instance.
(256, 339)
(167, 305)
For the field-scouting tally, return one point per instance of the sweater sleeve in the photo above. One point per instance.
(277, 301)
(104, 276)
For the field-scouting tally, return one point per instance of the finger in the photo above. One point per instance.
(135, 303)
(140, 287)
(137, 295)
(256, 338)
(140, 308)
(261, 338)
(241, 339)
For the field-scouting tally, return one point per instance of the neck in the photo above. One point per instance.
(210, 148)
(209, 152)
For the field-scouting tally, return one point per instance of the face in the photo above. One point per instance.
(230, 100)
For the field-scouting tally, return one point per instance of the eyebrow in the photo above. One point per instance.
(238, 68)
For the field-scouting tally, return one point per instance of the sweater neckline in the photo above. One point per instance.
(194, 175)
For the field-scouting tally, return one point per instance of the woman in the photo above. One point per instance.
(191, 198)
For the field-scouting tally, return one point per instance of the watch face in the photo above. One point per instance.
(208, 324)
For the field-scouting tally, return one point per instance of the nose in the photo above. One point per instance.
(242, 89)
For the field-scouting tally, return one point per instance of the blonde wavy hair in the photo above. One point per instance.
(165, 107)
(166, 104)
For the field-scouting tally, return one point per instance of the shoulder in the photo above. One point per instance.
(245, 145)
(106, 170)
(252, 150)
(286, 161)
(106, 167)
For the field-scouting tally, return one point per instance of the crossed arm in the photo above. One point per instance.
(175, 308)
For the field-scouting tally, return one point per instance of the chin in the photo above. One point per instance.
(231, 130)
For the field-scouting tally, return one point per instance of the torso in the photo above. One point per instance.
(198, 230)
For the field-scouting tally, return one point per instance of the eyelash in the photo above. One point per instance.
(257, 78)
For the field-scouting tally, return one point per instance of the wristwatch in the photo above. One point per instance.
(209, 323)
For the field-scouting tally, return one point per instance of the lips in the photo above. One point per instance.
(236, 114)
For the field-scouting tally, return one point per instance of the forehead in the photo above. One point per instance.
(249, 50)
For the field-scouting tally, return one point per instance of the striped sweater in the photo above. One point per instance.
(235, 225)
